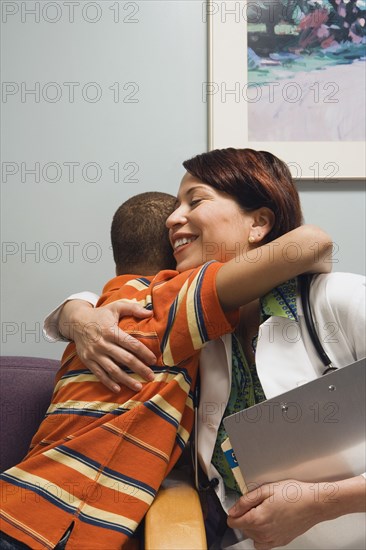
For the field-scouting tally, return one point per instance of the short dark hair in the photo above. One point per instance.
(254, 179)
(139, 236)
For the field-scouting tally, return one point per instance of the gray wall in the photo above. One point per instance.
(55, 231)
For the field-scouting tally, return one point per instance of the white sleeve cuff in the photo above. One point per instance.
(50, 327)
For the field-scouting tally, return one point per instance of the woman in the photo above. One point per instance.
(258, 179)
(98, 459)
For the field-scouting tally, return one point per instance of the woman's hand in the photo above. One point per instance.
(102, 346)
(276, 513)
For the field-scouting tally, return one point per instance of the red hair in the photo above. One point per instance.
(254, 179)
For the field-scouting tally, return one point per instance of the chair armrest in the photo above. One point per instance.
(175, 520)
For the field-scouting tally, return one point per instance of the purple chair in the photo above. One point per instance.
(26, 385)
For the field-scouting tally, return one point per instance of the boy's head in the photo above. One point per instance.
(139, 237)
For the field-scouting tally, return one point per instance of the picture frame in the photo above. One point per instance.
(233, 103)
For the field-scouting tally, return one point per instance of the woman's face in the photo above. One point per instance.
(206, 225)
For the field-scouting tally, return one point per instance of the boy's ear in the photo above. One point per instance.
(263, 221)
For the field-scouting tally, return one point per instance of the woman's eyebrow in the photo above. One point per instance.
(195, 187)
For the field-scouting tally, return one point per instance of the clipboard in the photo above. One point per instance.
(315, 432)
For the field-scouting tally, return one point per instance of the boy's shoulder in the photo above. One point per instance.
(139, 288)
(123, 287)
(132, 286)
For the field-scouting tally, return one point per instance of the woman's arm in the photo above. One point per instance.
(51, 329)
(275, 514)
(256, 272)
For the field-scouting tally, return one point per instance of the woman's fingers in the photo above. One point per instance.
(137, 349)
(116, 354)
(108, 351)
(112, 375)
(108, 361)
(249, 501)
(123, 308)
(103, 377)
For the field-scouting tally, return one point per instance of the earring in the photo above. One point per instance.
(251, 239)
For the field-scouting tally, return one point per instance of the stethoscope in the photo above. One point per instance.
(304, 283)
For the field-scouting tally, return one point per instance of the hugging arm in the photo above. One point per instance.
(238, 282)
(256, 272)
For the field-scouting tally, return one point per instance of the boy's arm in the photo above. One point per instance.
(256, 272)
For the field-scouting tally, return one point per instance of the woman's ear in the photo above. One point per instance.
(263, 221)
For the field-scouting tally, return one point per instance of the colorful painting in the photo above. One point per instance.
(289, 76)
(308, 59)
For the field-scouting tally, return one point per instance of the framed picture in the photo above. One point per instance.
(290, 77)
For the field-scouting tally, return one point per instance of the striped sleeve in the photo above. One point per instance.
(187, 313)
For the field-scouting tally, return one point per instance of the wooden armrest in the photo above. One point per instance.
(175, 521)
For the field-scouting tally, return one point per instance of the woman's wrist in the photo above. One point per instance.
(318, 249)
(74, 315)
(337, 498)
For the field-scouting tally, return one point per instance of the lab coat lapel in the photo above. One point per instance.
(215, 384)
(281, 358)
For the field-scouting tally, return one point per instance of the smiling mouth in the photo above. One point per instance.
(182, 242)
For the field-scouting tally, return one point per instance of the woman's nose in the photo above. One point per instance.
(178, 217)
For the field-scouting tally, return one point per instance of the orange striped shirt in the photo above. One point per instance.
(99, 458)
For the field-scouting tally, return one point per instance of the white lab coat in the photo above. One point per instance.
(285, 358)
